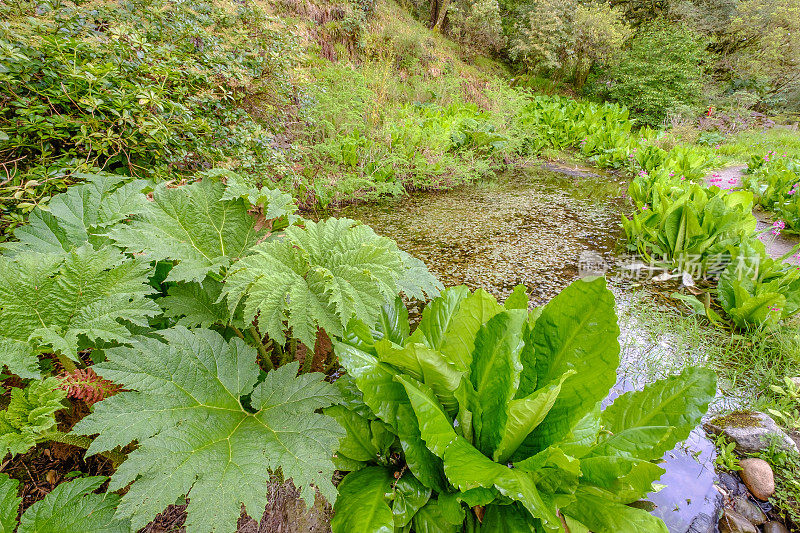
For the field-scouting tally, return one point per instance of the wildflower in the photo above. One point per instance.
(643, 173)
(774, 308)
(645, 207)
(777, 226)
(671, 174)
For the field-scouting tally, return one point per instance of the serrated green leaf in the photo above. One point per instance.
(183, 406)
(9, 503)
(321, 276)
(48, 300)
(196, 304)
(274, 203)
(73, 508)
(84, 213)
(192, 225)
(361, 506)
(29, 416)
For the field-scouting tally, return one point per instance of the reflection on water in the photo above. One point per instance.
(531, 226)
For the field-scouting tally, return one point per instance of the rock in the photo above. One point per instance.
(775, 527)
(795, 436)
(732, 484)
(749, 510)
(733, 522)
(757, 475)
(796, 381)
(702, 523)
(752, 432)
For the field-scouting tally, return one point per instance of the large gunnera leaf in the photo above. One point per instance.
(320, 276)
(85, 212)
(208, 430)
(29, 416)
(193, 225)
(72, 507)
(48, 300)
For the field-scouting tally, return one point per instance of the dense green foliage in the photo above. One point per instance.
(116, 271)
(498, 407)
(659, 74)
(71, 508)
(775, 181)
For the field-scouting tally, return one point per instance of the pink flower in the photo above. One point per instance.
(643, 173)
(671, 174)
(774, 308)
(645, 207)
(777, 226)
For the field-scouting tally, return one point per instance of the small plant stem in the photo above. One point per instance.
(238, 332)
(262, 350)
(66, 362)
(82, 441)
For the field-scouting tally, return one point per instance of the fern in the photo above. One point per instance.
(208, 430)
(82, 214)
(29, 416)
(48, 301)
(322, 276)
(193, 226)
(71, 508)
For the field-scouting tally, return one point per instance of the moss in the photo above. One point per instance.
(737, 419)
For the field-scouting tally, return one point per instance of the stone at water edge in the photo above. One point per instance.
(733, 522)
(749, 510)
(752, 432)
(775, 527)
(757, 475)
(732, 484)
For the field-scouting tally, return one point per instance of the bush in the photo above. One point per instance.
(661, 70)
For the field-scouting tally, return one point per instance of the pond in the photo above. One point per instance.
(535, 226)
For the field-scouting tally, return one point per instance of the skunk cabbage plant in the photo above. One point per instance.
(489, 418)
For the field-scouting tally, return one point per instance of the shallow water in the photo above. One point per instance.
(532, 226)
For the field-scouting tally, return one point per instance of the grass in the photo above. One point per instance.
(737, 148)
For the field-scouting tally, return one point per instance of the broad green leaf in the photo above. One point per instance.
(409, 497)
(678, 402)
(507, 518)
(49, 300)
(525, 414)
(576, 330)
(29, 416)
(195, 304)
(626, 479)
(603, 516)
(73, 507)
(183, 405)
(9, 503)
(192, 225)
(459, 339)
(388, 400)
(528, 378)
(465, 467)
(393, 322)
(495, 373)
(84, 213)
(439, 314)
(518, 299)
(429, 519)
(426, 365)
(273, 203)
(361, 506)
(553, 471)
(357, 443)
(417, 281)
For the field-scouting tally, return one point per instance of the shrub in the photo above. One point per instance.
(660, 70)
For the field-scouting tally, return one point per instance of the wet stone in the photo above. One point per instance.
(733, 522)
(775, 527)
(732, 484)
(749, 510)
(758, 476)
(702, 523)
(752, 432)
